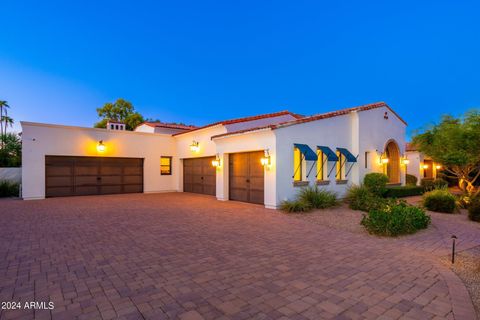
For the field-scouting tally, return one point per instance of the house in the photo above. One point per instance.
(262, 159)
(420, 165)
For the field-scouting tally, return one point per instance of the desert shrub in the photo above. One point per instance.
(361, 198)
(411, 180)
(295, 206)
(395, 220)
(474, 209)
(403, 191)
(9, 189)
(376, 183)
(440, 183)
(317, 198)
(440, 200)
(464, 200)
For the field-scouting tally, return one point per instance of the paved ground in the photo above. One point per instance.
(185, 256)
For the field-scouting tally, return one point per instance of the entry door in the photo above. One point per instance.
(77, 176)
(246, 177)
(199, 176)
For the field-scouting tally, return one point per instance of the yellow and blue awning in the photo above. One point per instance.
(348, 155)
(331, 156)
(308, 153)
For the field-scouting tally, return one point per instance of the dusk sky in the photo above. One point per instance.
(202, 61)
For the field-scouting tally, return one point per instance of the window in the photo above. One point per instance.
(340, 173)
(321, 165)
(165, 166)
(297, 165)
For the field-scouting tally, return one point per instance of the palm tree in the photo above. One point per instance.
(3, 110)
(7, 122)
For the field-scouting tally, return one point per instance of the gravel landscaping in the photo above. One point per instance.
(467, 267)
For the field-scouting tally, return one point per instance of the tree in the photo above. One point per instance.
(455, 143)
(3, 111)
(11, 153)
(121, 111)
(6, 122)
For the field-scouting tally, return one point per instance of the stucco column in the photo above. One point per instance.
(222, 178)
(355, 146)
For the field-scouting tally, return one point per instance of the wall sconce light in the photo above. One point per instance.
(384, 160)
(438, 167)
(217, 162)
(405, 161)
(265, 160)
(194, 146)
(100, 146)
(425, 166)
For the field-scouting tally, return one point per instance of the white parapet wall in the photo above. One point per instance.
(11, 174)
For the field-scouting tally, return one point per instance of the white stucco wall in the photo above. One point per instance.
(40, 140)
(332, 132)
(374, 133)
(258, 123)
(252, 141)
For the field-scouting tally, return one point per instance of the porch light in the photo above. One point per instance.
(216, 163)
(405, 161)
(100, 146)
(265, 160)
(438, 167)
(425, 166)
(384, 160)
(194, 146)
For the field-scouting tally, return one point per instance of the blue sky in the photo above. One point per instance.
(203, 61)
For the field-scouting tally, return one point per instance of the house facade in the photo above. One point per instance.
(421, 165)
(262, 159)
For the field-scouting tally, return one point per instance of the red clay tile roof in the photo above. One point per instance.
(245, 119)
(169, 125)
(316, 117)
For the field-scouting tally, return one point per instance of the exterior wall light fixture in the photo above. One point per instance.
(405, 161)
(100, 146)
(265, 160)
(216, 162)
(425, 166)
(194, 146)
(438, 167)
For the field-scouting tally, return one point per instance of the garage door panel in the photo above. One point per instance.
(199, 176)
(67, 176)
(246, 177)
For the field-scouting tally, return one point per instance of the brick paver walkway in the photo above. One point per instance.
(163, 256)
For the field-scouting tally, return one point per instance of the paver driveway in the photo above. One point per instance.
(162, 256)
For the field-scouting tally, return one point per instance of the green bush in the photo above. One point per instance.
(440, 200)
(411, 180)
(376, 183)
(474, 209)
(432, 184)
(395, 220)
(361, 198)
(295, 206)
(317, 198)
(403, 191)
(9, 189)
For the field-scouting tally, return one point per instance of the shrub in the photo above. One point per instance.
(295, 206)
(403, 191)
(411, 180)
(376, 183)
(474, 209)
(317, 198)
(432, 184)
(439, 200)
(361, 198)
(395, 220)
(9, 189)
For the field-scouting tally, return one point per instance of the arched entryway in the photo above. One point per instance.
(392, 152)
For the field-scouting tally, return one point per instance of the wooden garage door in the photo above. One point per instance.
(77, 176)
(246, 177)
(199, 176)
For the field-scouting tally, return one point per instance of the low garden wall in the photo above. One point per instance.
(11, 174)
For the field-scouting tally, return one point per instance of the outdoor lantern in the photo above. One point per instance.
(425, 166)
(406, 161)
(438, 167)
(100, 146)
(265, 160)
(216, 163)
(384, 160)
(194, 146)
